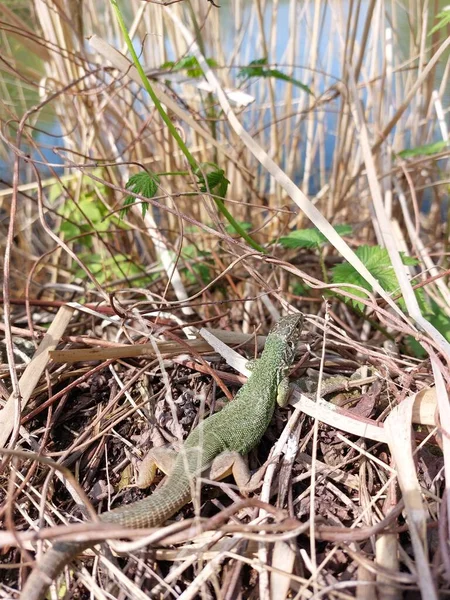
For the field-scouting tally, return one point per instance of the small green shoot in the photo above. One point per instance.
(189, 64)
(426, 150)
(444, 20)
(260, 68)
(216, 183)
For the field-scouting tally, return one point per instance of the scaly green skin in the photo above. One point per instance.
(238, 427)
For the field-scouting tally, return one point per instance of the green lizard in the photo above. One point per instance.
(218, 444)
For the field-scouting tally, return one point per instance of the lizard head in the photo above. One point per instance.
(288, 328)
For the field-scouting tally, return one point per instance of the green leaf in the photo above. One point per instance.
(439, 319)
(106, 268)
(190, 64)
(378, 263)
(303, 238)
(258, 68)
(301, 289)
(444, 17)
(254, 67)
(190, 251)
(69, 229)
(203, 272)
(246, 226)
(427, 150)
(200, 268)
(347, 274)
(420, 297)
(310, 238)
(92, 209)
(55, 191)
(168, 65)
(73, 230)
(216, 183)
(145, 184)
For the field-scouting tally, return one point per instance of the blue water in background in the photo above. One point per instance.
(253, 51)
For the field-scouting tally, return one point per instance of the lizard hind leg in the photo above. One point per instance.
(233, 463)
(158, 458)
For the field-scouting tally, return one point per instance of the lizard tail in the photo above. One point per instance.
(148, 512)
(51, 566)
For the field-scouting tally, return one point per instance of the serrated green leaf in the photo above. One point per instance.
(377, 262)
(415, 348)
(311, 237)
(126, 204)
(345, 273)
(426, 150)
(409, 261)
(422, 300)
(439, 319)
(258, 68)
(253, 67)
(145, 184)
(215, 178)
(303, 238)
(444, 20)
(344, 229)
(216, 182)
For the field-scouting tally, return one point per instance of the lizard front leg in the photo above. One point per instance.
(283, 391)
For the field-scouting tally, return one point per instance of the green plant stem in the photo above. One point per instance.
(189, 157)
(322, 264)
(210, 98)
(191, 160)
(170, 173)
